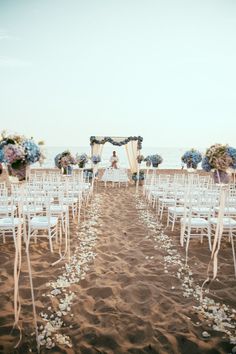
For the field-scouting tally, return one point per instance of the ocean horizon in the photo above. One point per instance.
(171, 155)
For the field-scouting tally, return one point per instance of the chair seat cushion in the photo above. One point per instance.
(167, 200)
(227, 222)
(58, 208)
(32, 209)
(41, 222)
(7, 208)
(228, 210)
(195, 222)
(10, 222)
(176, 210)
(201, 209)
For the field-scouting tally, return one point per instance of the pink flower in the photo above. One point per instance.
(13, 153)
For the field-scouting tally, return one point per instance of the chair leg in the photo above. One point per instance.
(50, 240)
(182, 232)
(187, 240)
(209, 237)
(173, 222)
(233, 251)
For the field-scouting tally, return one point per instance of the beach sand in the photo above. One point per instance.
(126, 302)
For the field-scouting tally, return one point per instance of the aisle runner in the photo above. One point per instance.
(59, 291)
(221, 316)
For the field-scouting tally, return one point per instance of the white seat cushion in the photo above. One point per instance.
(167, 200)
(7, 208)
(32, 209)
(42, 222)
(195, 222)
(227, 222)
(10, 222)
(201, 209)
(177, 210)
(228, 210)
(58, 208)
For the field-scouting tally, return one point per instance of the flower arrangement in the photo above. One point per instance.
(192, 158)
(18, 152)
(64, 159)
(219, 157)
(155, 160)
(82, 159)
(89, 173)
(140, 158)
(95, 159)
(136, 176)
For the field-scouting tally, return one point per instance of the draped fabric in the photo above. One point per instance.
(132, 153)
(97, 149)
(132, 147)
(117, 141)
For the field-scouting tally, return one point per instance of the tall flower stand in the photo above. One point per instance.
(20, 171)
(221, 177)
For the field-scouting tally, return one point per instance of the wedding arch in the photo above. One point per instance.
(133, 145)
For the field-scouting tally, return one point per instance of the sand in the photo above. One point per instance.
(128, 302)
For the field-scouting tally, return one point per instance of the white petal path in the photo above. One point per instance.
(221, 316)
(51, 333)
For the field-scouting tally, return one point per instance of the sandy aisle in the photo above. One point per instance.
(126, 303)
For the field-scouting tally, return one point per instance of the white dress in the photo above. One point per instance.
(114, 159)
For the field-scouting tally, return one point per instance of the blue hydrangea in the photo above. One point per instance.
(1, 155)
(96, 159)
(232, 153)
(32, 151)
(57, 160)
(154, 159)
(206, 164)
(192, 158)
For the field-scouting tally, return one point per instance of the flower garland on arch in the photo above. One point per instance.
(108, 139)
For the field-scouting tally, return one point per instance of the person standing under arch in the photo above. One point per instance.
(114, 160)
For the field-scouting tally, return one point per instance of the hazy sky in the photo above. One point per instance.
(163, 69)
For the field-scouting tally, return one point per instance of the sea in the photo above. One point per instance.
(171, 156)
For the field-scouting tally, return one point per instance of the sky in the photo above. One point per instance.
(162, 69)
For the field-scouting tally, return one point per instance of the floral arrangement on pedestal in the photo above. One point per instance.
(81, 159)
(153, 160)
(220, 159)
(138, 176)
(89, 173)
(95, 159)
(192, 158)
(64, 161)
(18, 152)
(140, 158)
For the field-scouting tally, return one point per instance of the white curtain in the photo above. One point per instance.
(132, 153)
(97, 149)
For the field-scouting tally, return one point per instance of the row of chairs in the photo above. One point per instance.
(42, 206)
(194, 202)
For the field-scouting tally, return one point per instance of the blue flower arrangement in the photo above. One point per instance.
(15, 149)
(82, 159)
(139, 177)
(219, 157)
(88, 173)
(192, 158)
(32, 151)
(17, 153)
(155, 160)
(232, 153)
(1, 155)
(64, 160)
(96, 159)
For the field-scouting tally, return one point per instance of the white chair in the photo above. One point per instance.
(46, 226)
(10, 225)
